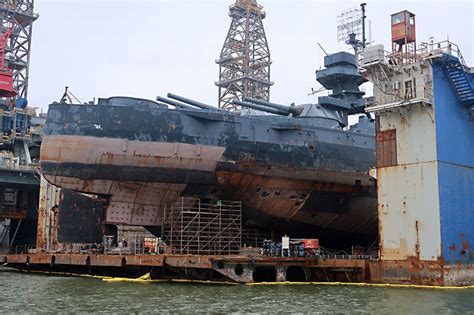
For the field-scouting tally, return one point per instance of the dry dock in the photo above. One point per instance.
(243, 269)
(424, 112)
(240, 269)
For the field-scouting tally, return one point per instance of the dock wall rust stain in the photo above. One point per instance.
(410, 271)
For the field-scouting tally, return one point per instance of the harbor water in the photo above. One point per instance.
(32, 293)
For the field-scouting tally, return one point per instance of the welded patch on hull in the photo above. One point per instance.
(132, 203)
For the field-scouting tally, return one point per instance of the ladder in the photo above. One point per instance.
(460, 82)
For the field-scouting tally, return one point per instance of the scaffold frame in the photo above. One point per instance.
(191, 226)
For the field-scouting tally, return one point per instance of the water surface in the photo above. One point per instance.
(26, 292)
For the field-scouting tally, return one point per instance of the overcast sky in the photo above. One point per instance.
(102, 48)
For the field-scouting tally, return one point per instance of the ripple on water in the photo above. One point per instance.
(37, 293)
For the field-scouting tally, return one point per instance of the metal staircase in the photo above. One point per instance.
(460, 82)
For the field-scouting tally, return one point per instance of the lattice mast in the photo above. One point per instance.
(17, 16)
(244, 62)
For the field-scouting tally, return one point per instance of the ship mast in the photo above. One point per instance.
(244, 62)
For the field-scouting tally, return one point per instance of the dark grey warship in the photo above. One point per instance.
(291, 166)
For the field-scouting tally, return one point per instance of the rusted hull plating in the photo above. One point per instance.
(422, 272)
(322, 184)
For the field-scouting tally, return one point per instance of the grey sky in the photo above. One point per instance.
(148, 48)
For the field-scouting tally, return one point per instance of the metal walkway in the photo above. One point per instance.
(460, 81)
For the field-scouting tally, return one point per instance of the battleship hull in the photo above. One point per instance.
(287, 172)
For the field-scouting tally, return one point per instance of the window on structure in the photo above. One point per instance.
(396, 88)
(409, 89)
(398, 18)
(414, 87)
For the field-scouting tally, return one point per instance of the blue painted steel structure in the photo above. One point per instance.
(453, 98)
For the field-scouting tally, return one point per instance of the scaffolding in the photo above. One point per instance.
(254, 237)
(193, 227)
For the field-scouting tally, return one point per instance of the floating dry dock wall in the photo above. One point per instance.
(424, 106)
(240, 269)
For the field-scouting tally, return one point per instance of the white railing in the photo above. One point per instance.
(9, 162)
(443, 47)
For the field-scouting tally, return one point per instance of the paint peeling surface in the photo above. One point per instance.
(409, 219)
(408, 194)
(425, 192)
(47, 216)
(144, 157)
(455, 151)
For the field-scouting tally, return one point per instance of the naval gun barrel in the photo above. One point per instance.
(191, 102)
(289, 109)
(261, 108)
(174, 103)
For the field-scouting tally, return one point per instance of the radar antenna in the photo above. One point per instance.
(351, 26)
